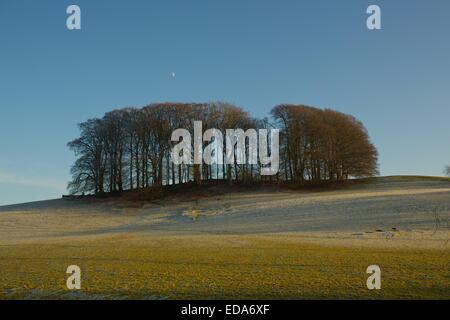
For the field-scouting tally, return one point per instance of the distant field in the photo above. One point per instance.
(262, 244)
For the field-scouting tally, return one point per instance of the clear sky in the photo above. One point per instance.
(253, 53)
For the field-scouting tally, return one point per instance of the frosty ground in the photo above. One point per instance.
(260, 244)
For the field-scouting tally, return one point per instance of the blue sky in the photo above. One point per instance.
(255, 54)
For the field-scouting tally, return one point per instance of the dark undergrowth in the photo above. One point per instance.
(211, 188)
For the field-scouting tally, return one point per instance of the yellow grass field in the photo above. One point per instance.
(276, 245)
(220, 267)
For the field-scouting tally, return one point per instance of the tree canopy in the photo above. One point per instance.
(130, 148)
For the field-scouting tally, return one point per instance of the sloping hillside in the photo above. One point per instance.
(391, 203)
(267, 244)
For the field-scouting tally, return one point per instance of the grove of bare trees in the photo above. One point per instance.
(319, 145)
(130, 148)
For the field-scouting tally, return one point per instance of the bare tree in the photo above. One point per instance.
(89, 170)
(447, 171)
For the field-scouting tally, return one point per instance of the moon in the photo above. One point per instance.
(173, 74)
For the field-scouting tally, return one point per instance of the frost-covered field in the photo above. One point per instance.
(259, 244)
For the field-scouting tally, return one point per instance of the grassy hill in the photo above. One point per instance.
(263, 242)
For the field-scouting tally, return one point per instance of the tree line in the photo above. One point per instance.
(130, 148)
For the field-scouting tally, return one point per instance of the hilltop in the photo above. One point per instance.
(386, 203)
